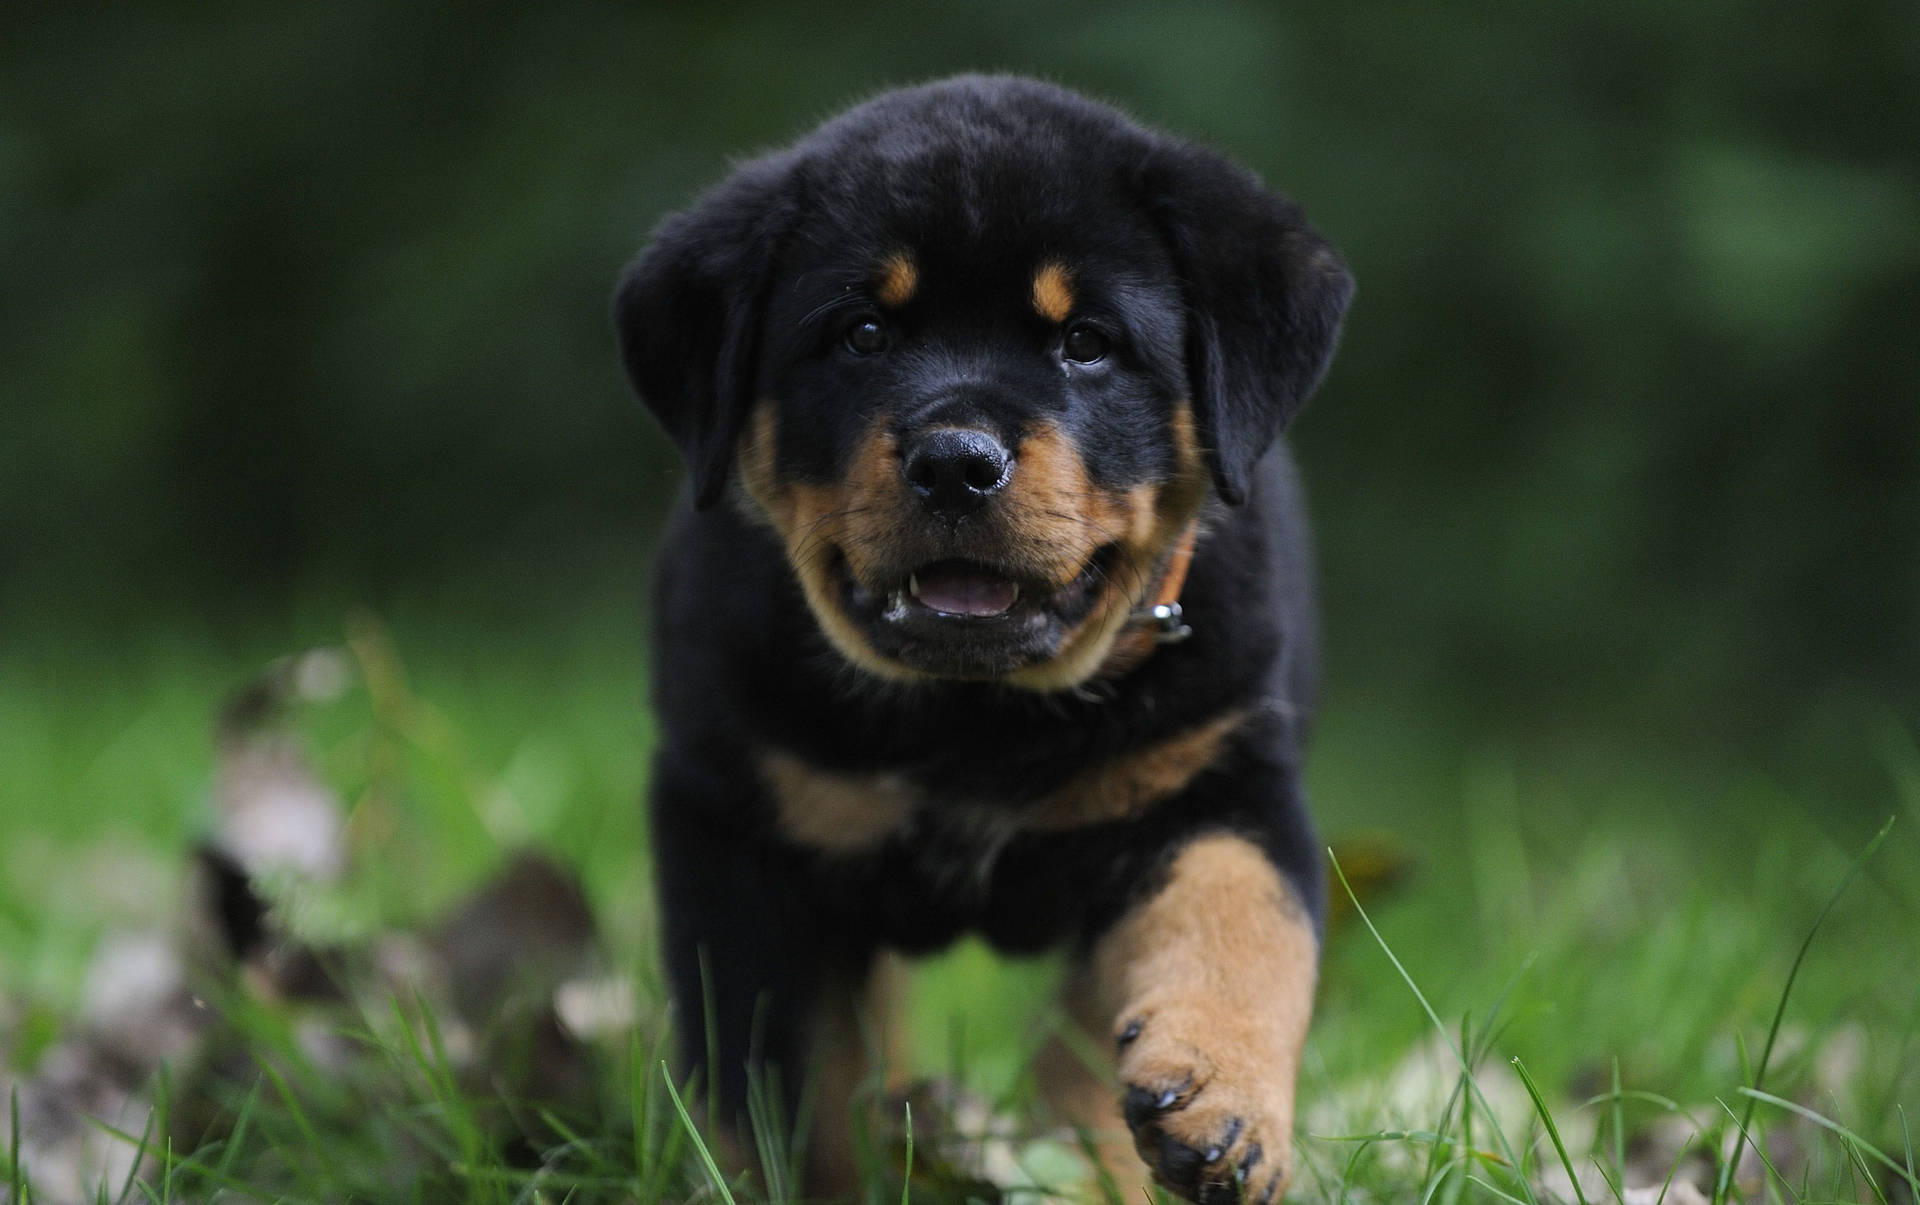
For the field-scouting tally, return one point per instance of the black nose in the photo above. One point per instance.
(956, 469)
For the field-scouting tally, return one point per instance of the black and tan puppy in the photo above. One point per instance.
(990, 608)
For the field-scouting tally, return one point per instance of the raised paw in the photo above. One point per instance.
(1211, 1113)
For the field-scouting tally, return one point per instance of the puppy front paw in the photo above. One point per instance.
(1211, 1111)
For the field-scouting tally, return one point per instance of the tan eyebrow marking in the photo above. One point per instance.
(1053, 291)
(898, 278)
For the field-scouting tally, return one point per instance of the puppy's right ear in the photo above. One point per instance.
(688, 315)
(1264, 293)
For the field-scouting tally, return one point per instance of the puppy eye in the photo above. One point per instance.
(867, 336)
(1085, 344)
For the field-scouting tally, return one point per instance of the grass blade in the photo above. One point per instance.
(139, 1157)
(906, 1177)
(1504, 1196)
(16, 1174)
(1506, 1148)
(1674, 1169)
(1613, 1186)
(1860, 1165)
(1553, 1131)
(1879, 1156)
(699, 1145)
(655, 1161)
(1780, 1010)
(1619, 1127)
(230, 1149)
(578, 1144)
(1440, 1177)
(710, 1018)
(1759, 1148)
(1906, 1138)
(1652, 1098)
(294, 1111)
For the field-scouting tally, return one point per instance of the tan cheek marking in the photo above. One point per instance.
(1186, 447)
(854, 516)
(1145, 520)
(1140, 514)
(1130, 784)
(839, 813)
(898, 280)
(1055, 505)
(859, 517)
(1053, 291)
(1178, 499)
(759, 443)
(1218, 969)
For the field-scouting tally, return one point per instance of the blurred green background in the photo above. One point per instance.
(1616, 480)
(304, 310)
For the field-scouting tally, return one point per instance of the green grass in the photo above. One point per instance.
(1585, 975)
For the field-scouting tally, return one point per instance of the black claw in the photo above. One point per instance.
(1226, 1140)
(1179, 1163)
(1142, 1105)
(1254, 1151)
(1219, 1192)
(1131, 1032)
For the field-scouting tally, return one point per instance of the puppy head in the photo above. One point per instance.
(978, 352)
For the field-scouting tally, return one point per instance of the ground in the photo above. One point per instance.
(1606, 937)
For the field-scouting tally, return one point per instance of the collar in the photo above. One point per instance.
(1159, 622)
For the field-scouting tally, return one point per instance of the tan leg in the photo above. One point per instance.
(1206, 989)
(1076, 1077)
(854, 1043)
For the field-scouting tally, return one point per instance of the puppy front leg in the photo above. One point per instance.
(763, 981)
(1209, 987)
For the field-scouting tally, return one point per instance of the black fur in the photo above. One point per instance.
(1212, 288)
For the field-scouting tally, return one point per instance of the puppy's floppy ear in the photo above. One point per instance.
(1264, 294)
(688, 314)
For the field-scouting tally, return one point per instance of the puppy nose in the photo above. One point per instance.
(956, 469)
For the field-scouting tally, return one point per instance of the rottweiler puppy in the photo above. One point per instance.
(989, 610)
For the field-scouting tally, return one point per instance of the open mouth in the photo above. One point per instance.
(961, 589)
(970, 619)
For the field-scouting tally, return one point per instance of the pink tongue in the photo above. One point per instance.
(960, 591)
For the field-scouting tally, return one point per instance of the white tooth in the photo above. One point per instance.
(913, 584)
(1016, 593)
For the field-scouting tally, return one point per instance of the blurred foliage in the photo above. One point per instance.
(311, 297)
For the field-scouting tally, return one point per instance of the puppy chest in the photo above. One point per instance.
(857, 812)
(943, 859)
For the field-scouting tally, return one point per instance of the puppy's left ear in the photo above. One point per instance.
(1264, 293)
(688, 315)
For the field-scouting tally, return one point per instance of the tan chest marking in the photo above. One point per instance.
(1128, 785)
(852, 813)
(839, 813)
